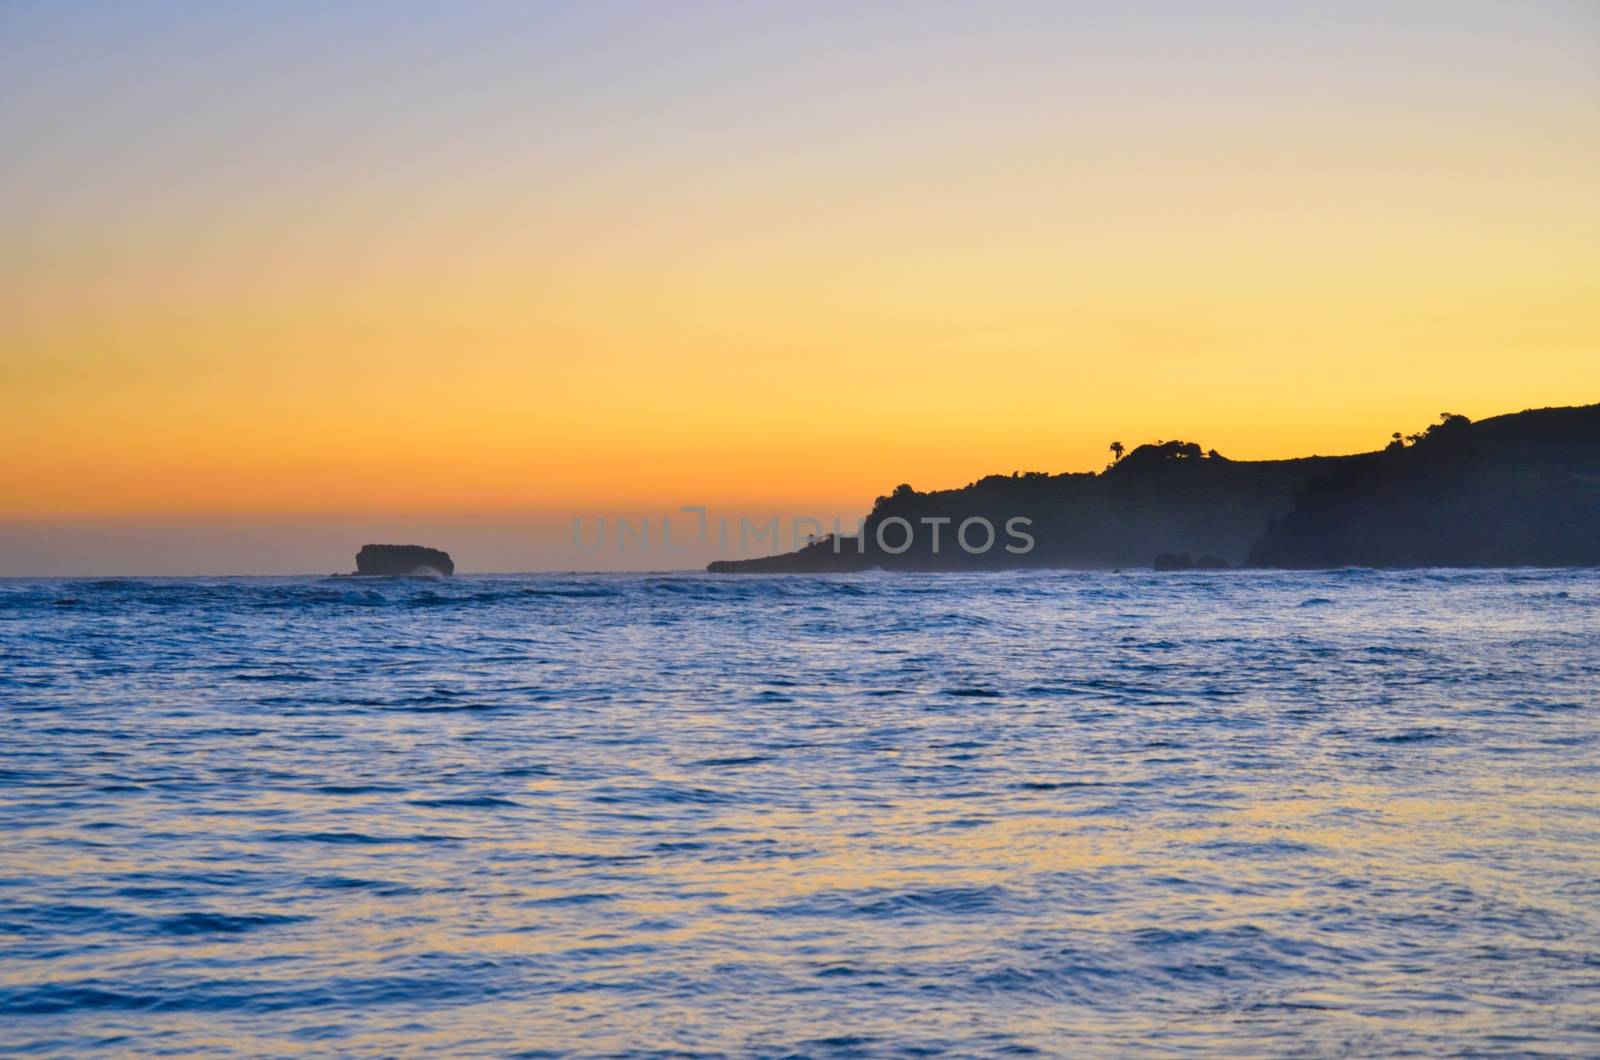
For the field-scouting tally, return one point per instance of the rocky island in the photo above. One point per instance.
(1516, 490)
(391, 561)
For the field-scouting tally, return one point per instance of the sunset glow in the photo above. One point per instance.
(768, 254)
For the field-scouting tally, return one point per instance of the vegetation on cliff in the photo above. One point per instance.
(1516, 489)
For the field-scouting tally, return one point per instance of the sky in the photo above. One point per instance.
(319, 271)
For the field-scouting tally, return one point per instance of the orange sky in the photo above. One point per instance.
(783, 257)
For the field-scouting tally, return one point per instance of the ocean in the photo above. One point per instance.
(1038, 813)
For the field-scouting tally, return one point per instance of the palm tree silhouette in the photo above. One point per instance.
(1116, 451)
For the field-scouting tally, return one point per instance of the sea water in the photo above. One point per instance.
(1232, 813)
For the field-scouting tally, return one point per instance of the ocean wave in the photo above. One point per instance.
(1249, 814)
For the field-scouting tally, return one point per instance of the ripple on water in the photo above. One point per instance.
(1251, 814)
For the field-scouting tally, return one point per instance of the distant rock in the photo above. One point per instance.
(402, 561)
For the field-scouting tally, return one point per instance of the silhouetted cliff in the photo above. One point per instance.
(1517, 489)
(1167, 497)
(1514, 490)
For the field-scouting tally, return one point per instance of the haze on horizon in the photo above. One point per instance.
(267, 263)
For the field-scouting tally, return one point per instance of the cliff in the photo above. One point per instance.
(1167, 497)
(1516, 490)
(1521, 489)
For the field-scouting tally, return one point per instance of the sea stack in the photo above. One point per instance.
(403, 560)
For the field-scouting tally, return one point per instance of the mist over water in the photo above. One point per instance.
(1243, 813)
